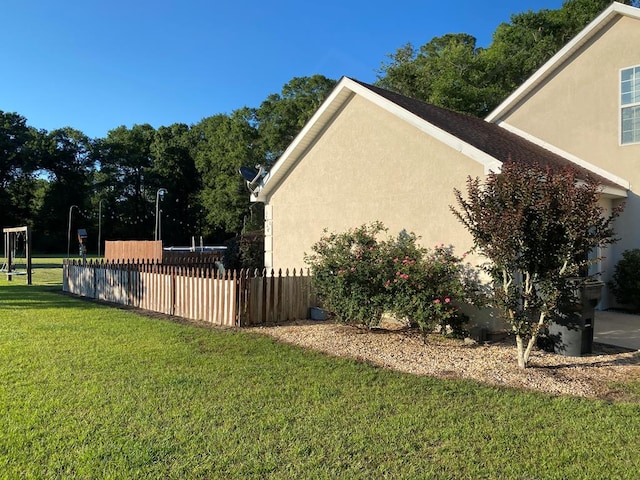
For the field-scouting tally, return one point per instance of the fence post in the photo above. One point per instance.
(241, 300)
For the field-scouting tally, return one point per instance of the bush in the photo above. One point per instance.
(358, 277)
(346, 274)
(427, 286)
(625, 283)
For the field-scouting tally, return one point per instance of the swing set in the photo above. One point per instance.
(17, 240)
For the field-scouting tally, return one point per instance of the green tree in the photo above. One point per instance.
(522, 46)
(122, 181)
(625, 283)
(452, 72)
(448, 71)
(223, 144)
(281, 116)
(17, 165)
(536, 226)
(68, 162)
(173, 168)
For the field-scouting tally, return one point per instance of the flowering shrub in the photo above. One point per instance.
(359, 277)
(428, 286)
(346, 274)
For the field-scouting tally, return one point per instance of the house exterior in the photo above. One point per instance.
(369, 154)
(584, 104)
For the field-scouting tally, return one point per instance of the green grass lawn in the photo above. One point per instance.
(89, 391)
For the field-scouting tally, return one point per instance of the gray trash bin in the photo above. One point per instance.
(571, 331)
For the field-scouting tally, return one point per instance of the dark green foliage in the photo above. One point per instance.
(359, 277)
(452, 72)
(626, 279)
(536, 226)
(42, 174)
(67, 158)
(174, 169)
(448, 71)
(280, 117)
(17, 166)
(224, 144)
(125, 164)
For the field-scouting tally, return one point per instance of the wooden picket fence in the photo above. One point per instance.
(231, 298)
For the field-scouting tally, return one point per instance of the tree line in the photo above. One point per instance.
(43, 173)
(451, 71)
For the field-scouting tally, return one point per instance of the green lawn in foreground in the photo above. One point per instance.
(89, 391)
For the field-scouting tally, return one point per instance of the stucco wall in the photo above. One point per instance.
(578, 111)
(367, 166)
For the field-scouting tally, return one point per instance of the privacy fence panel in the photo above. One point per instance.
(195, 292)
(132, 249)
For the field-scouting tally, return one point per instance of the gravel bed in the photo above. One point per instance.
(592, 376)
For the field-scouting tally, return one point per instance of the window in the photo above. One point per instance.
(630, 105)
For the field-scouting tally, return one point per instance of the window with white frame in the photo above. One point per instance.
(630, 105)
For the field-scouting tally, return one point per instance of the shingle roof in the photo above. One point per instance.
(483, 141)
(492, 139)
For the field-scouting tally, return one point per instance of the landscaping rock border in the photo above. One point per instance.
(591, 376)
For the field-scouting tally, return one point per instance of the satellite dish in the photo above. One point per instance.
(248, 173)
(253, 177)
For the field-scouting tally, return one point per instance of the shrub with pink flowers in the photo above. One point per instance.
(359, 276)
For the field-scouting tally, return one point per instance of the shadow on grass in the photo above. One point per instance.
(37, 296)
(46, 265)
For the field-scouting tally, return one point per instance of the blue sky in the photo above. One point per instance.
(96, 64)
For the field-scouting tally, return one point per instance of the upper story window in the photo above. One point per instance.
(630, 105)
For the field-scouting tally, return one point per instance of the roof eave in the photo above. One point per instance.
(300, 145)
(340, 96)
(617, 183)
(600, 22)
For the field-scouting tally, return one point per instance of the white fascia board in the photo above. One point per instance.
(564, 53)
(621, 182)
(487, 161)
(336, 100)
(299, 145)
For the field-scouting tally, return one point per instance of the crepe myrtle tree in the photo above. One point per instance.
(536, 226)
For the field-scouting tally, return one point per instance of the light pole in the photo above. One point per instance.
(159, 194)
(69, 230)
(99, 224)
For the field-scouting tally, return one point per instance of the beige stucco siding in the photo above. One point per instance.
(368, 165)
(578, 111)
(578, 108)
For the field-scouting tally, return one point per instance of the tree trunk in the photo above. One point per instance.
(524, 354)
(522, 363)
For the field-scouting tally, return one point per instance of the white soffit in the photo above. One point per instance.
(307, 136)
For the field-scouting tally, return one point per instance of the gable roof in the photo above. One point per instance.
(501, 144)
(484, 142)
(612, 13)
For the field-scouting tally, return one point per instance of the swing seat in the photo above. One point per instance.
(13, 237)
(15, 273)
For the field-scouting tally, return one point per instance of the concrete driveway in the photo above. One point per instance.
(617, 328)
